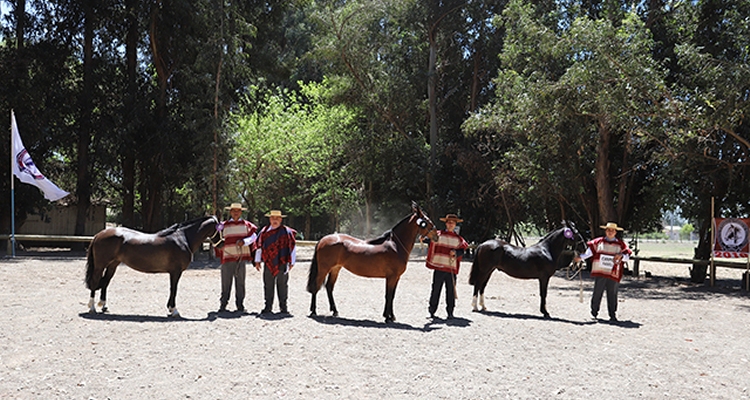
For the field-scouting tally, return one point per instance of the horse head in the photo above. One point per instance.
(217, 239)
(579, 243)
(425, 225)
(570, 244)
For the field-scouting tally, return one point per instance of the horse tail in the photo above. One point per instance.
(312, 276)
(90, 268)
(474, 275)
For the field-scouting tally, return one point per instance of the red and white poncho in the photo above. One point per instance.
(234, 231)
(439, 254)
(603, 252)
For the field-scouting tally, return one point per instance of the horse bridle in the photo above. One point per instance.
(217, 243)
(578, 267)
(421, 222)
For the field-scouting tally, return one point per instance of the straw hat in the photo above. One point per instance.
(275, 213)
(611, 225)
(235, 205)
(451, 217)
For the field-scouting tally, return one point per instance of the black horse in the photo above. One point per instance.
(539, 261)
(169, 250)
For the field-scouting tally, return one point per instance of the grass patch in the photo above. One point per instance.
(666, 248)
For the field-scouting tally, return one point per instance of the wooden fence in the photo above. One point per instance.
(21, 238)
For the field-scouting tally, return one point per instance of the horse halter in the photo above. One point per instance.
(217, 243)
(423, 222)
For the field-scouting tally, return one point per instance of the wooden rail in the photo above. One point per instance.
(717, 263)
(48, 238)
(84, 239)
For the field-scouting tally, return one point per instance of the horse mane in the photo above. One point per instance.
(548, 234)
(387, 234)
(382, 238)
(174, 228)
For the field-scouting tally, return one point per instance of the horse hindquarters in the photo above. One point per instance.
(312, 282)
(481, 270)
(98, 276)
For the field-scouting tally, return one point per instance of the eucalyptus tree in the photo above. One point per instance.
(40, 70)
(582, 110)
(377, 51)
(713, 81)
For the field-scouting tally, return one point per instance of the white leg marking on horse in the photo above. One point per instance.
(102, 303)
(481, 302)
(474, 303)
(92, 309)
(173, 313)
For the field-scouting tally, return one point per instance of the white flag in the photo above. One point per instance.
(26, 171)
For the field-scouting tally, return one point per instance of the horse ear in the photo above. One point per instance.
(414, 206)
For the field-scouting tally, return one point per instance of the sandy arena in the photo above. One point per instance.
(674, 340)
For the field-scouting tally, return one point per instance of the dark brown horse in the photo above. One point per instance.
(169, 250)
(539, 261)
(384, 257)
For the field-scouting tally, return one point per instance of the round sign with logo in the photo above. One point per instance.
(732, 234)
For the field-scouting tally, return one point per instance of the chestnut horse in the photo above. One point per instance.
(539, 261)
(383, 257)
(169, 250)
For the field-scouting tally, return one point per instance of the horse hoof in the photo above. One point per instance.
(335, 314)
(92, 310)
(105, 310)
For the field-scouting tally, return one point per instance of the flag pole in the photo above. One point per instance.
(712, 279)
(12, 194)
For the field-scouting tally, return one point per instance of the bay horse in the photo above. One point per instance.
(539, 261)
(169, 250)
(383, 257)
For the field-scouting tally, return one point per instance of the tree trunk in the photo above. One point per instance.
(83, 190)
(20, 12)
(702, 252)
(604, 192)
(128, 154)
(215, 187)
(152, 208)
(625, 190)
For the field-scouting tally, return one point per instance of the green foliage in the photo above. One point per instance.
(545, 110)
(686, 230)
(289, 153)
(558, 93)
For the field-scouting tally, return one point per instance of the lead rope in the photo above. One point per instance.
(576, 268)
(580, 290)
(454, 261)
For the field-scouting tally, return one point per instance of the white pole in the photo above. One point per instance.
(12, 193)
(713, 243)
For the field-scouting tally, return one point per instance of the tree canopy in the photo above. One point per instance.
(508, 113)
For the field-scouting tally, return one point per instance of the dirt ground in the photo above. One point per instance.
(675, 339)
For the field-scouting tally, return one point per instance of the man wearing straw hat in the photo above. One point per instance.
(277, 250)
(239, 238)
(608, 252)
(444, 257)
